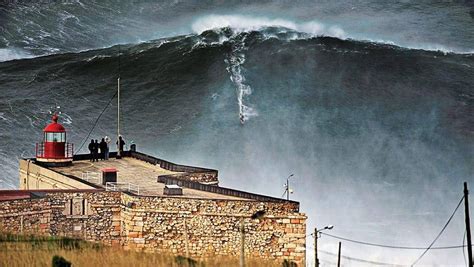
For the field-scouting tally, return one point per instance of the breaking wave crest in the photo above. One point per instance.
(7, 54)
(66, 32)
(241, 23)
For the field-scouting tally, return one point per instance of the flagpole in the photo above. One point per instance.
(118, 112)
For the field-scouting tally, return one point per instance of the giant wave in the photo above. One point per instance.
(347, 117)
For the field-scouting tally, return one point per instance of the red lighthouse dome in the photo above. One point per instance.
(54, 149)
(54, 127)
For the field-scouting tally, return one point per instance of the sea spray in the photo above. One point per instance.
(234, 61)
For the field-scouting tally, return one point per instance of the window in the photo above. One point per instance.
(55, 137)
(76, 206)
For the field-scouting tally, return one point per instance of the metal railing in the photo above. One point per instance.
(127, 187)
(68, 150)
(93, 177)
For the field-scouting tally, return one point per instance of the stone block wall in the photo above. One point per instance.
(94, 216)
(199, 228)
(203, 227)
(25, 216)
(200, 177)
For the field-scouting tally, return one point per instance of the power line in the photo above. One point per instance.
(96, 121)
(440, 233)
(464, 252)
(106, 106)
(363, 260)
(389, 246)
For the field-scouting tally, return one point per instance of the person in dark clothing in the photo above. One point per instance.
(103, 148)
(96, 150)
(121, 144)
(91, 149)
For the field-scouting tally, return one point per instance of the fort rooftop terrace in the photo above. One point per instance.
(140, 175)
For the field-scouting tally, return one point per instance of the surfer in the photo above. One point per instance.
(241, 118)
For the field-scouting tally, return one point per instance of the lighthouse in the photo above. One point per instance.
(54, 150)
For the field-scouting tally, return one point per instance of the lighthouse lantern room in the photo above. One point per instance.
(54, 150)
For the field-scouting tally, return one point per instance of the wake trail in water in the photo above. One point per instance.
(235, 60)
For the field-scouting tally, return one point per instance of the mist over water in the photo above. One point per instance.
(379, 137)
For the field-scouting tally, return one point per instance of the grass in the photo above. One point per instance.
(33, 250)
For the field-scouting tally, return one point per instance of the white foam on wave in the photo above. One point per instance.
(248, 23)
(7, 54)
(236, 57)
(3, 117)
(97, 57)
(234, 62)
(421, 46)
(66, 118)
(242, 23)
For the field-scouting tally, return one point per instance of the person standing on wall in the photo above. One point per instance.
(121, 144)
(103, 148)
(107, 150)
(96, 150)
(91, 149)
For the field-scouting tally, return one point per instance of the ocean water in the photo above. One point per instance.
(370, 104)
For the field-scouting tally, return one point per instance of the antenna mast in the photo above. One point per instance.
(118, 110)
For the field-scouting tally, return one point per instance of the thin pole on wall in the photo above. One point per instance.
(21, 224)
(118, 118)
(118, 111)
(287, 187)
(186, 238)
(242, 243)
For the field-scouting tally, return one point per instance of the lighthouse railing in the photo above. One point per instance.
(68, 151)
(40, 150)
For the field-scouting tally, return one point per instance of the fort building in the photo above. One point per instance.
(142, 202)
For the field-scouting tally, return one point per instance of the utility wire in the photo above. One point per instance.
(440, 233)
(110, 101)
(364, 261)
(95, 123)
(464, 252)
(388, 246)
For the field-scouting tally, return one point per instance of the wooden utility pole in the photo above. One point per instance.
(339, 256)
(316, 260)
(468, 224)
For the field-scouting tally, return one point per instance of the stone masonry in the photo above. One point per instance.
(199, 228)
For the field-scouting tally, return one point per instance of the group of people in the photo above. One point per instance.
(101, 150)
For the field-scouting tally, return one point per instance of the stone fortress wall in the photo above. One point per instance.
(194, 227)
